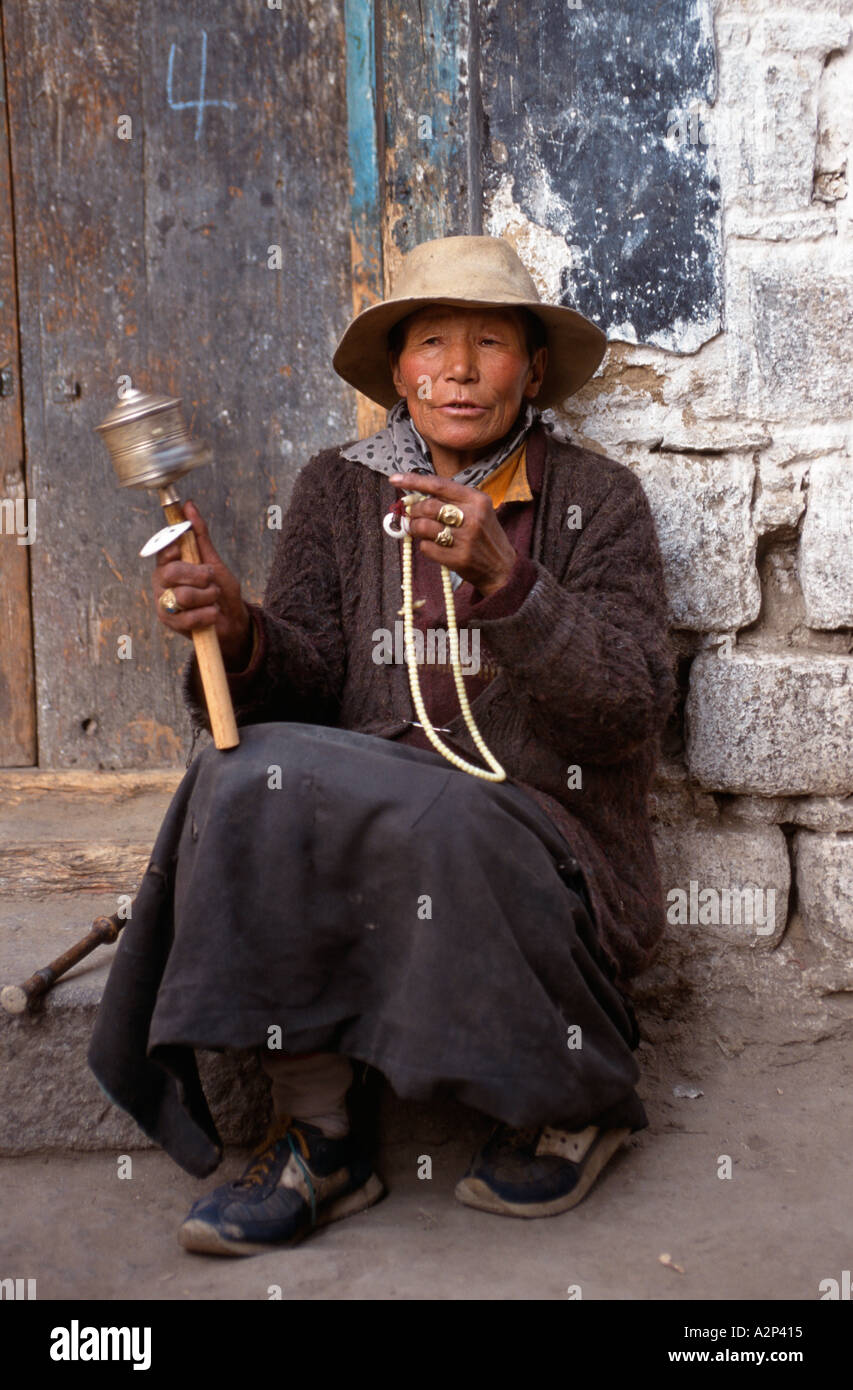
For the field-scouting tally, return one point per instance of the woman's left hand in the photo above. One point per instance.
(480, 553)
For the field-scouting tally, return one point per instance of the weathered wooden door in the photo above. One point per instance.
(17, 687)
(202, 196)
(181, 218)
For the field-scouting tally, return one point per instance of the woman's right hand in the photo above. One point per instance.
(209, 595)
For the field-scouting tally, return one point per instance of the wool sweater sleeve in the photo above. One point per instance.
(587, 654)
(297, 666)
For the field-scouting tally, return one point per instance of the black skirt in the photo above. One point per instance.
(330, 890)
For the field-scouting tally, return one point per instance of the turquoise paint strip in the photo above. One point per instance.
(443, 22)
(365, 207)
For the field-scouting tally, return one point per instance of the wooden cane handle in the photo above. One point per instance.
(208, 652)
(16, 999)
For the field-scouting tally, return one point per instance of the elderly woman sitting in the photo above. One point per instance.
(339, 887)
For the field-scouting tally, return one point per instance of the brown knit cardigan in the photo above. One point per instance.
(586, 674)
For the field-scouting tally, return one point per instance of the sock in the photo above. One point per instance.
(312, 1087)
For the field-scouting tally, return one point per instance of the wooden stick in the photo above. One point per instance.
(208, 652)
(17, 999)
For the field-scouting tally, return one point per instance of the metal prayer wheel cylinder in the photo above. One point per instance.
(150, 447)
(148, 441)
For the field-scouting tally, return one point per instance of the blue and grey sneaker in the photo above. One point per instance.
(536, 1172)
(297, 1180)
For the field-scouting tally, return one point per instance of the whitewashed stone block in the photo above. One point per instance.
(826, 545)
(823, 813)
(781, 496)
(763, 128)
(811, 812)
(728, 884)
(793, 29)
(825, 889)
(701, 508)
(799, 323)
(757, 810)
(775, 724)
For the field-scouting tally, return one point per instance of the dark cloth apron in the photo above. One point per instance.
(363, 897)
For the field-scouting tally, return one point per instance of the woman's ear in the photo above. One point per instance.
(536, 372)
(393, 363)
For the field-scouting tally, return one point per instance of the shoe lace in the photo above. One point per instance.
(265, 1155)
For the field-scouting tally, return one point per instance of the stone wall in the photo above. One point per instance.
(744, 450)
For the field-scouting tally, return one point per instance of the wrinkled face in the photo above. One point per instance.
(464, 374)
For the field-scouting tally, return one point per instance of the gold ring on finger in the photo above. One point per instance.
(168, 602)
(450, 514)
(444, 537)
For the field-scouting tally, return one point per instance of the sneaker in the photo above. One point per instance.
(536, 1172)
(298, 1179)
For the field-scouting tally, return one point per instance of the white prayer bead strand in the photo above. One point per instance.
(497, 774)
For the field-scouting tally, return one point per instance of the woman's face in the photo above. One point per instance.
(464, 373)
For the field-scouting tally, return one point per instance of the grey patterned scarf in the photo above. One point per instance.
(400, 448)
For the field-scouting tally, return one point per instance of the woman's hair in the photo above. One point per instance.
(535, 334)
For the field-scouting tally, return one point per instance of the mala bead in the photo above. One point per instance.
(497, 774)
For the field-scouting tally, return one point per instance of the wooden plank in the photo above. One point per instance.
(580, 104)
(18, 517)
(430, 125)
(16, 784)
(149, 257)
(71, 867)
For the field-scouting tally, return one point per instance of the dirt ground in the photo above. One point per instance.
(779, 1226)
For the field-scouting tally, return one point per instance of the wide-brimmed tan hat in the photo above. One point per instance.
(468, 271)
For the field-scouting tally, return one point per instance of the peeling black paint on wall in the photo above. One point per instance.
(577, 104)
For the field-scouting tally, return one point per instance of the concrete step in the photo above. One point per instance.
(49, 1099)
(70, 843)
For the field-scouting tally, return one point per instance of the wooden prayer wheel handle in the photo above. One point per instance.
(208, 652)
